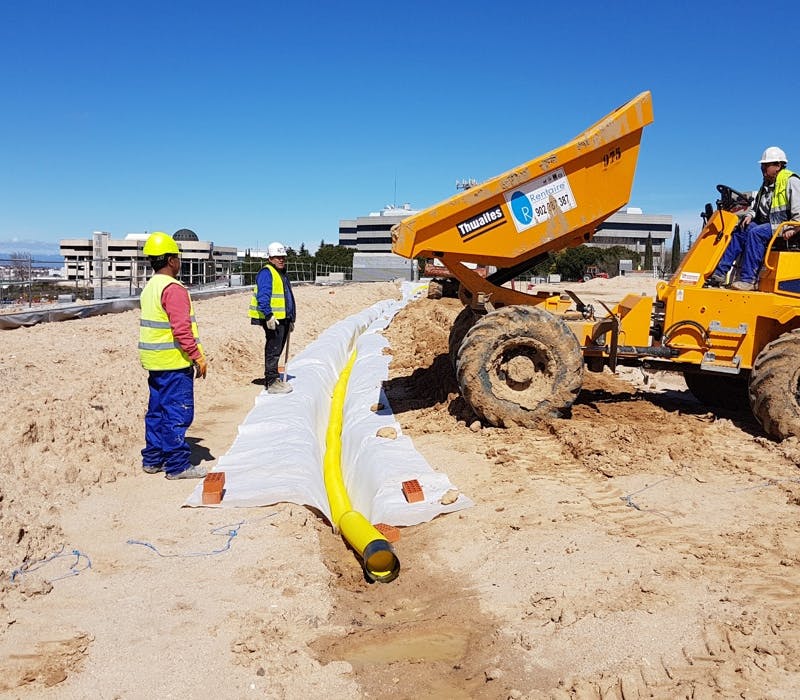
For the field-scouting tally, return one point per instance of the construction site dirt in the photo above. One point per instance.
(642, 547)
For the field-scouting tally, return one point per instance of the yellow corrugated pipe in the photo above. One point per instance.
(380, 561)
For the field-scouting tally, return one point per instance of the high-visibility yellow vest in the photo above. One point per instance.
(779, 210)
(158, 349)
(277, 300)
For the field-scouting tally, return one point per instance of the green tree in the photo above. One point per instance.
(648, 252)
(608, 259)
(571, 264)
(335, 255)
(675, 259)
(544, 267)
(300, 255)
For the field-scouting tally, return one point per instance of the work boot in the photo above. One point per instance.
(280, 387)
(152, 468)
(742, 286)
(716, 280)
(196, 472)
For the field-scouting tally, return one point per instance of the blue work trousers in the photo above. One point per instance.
(751, 244)
(170, 412)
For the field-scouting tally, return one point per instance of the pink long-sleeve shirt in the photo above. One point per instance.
(176, 303)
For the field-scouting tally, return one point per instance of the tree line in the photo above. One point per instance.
(327, 254)
(573, 263)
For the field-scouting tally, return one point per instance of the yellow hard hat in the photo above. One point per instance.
(160, 243)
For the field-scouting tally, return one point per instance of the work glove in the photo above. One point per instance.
(744, 222)
(291, 326)
(272, 323)
(200, 367)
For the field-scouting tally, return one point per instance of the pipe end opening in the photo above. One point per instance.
(380, 562)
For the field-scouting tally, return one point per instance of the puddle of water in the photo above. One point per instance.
(431, 646)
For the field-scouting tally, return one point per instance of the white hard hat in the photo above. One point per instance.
(276, 250)
(773, 154)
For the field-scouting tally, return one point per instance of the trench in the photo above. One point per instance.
(423, 635)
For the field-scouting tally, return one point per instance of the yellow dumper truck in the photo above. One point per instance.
(517, 359)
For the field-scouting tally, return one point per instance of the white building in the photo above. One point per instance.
(373, 233)
(630, 228)
(102, 258)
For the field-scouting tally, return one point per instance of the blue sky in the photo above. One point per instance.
(254, 121)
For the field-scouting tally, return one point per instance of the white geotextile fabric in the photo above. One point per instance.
(277, 455)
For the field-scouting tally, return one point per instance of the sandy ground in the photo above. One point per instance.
(644, 547)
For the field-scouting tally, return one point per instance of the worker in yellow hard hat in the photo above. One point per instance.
(272, 307)
(170, 350)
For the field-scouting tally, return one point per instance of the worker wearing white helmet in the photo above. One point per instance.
(272, 307)
(170, 350)
(276, 250)
(777, 201)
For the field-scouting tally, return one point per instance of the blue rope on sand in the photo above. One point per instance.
(216, 531)
(228, 532)
(73, 569)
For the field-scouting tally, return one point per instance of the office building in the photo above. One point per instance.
(103, 259)
(631, 228)
(373, 233)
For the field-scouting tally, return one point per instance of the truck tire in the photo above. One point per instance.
(775, 386)
(718, 390)
(462, 323)
(434, 290)
(518, 365)
(450, 288)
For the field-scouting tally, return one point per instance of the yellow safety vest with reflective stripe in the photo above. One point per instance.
(277, 301)
(158, 349)
(779, 206)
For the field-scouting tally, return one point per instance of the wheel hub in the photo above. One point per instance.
(520, 369)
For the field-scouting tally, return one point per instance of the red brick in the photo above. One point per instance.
(213, 488)
(413, 491)
(390, 532)
(214, 481)
(212, 498)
